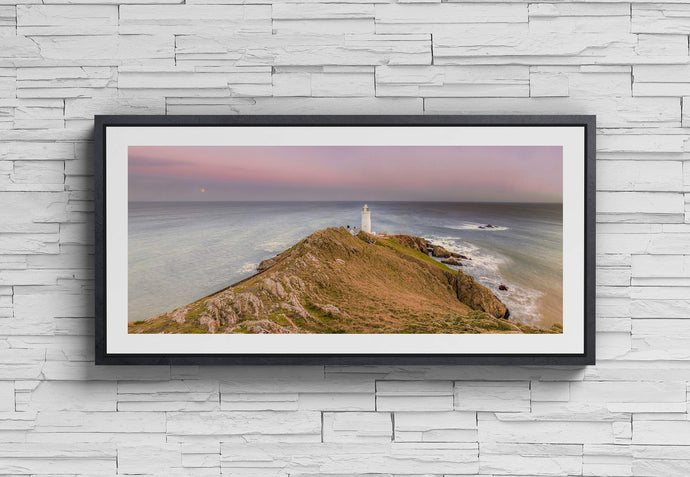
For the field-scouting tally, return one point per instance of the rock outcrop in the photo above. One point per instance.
(477, 296)
(440, 252)
(410, 241)
(452, 261)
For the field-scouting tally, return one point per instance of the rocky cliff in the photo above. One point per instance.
(334, 282)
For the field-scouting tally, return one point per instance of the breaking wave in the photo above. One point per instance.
(248, 267)
(485, 268)
(273, 245)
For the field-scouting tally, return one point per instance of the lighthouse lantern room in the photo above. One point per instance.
(366, 219)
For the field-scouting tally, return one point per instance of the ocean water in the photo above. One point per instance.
(182, 251)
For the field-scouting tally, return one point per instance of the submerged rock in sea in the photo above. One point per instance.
(503, 287)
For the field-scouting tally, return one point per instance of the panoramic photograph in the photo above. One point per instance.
(345, 239)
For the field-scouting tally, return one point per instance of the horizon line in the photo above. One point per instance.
(362, 201)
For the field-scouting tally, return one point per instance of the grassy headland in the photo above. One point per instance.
(335, 282)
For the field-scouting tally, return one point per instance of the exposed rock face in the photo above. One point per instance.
(334, 282)
(440, 252)
(477, 296)
(266, 264)
(452, 261)
(410, 241)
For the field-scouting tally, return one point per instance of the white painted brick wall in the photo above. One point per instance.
(62, 61)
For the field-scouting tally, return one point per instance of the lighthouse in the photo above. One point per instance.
(366, 219)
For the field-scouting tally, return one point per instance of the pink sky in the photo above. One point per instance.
(441, 173)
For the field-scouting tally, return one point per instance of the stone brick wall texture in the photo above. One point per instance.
(62, 61)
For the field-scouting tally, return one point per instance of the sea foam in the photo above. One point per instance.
(248, 267)
(485, 267)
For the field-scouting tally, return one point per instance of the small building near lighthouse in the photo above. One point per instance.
(366, 219)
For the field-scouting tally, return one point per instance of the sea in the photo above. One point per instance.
(182, 251)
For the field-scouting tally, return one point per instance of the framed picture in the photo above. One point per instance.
(413, 240)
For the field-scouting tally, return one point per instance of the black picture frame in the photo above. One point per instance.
(102, 357)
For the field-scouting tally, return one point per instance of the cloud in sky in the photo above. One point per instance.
(415, 173)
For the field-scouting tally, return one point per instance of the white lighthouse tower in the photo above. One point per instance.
(366, 219)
